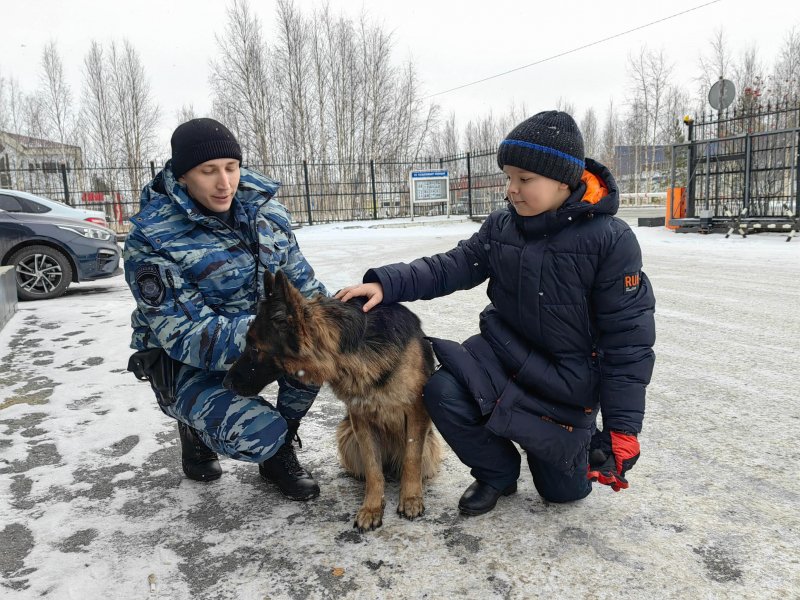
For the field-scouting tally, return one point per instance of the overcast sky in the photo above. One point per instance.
(452, 43)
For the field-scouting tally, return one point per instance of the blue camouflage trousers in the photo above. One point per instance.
(245, 428)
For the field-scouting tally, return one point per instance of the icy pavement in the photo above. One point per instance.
(93, 501)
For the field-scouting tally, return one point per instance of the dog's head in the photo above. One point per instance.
(276, 339)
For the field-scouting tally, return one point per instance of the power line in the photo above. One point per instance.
(595, 43)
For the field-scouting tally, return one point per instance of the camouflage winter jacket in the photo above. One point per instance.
(197, 280)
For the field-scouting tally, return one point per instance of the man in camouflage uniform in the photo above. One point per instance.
(194, 261)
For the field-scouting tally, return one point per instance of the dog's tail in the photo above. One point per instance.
(431, 455)
(350, 454)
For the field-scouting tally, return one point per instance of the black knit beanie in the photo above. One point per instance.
(199, 140)
(549, 143)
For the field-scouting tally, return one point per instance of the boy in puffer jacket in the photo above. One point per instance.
(569, 329)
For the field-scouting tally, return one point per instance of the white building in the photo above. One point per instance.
(34, 165)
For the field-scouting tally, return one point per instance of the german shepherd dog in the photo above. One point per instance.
(376, 363)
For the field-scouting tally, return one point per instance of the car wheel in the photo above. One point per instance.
(42, 272)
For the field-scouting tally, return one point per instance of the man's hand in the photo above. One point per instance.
(610, 456)
(373, 291)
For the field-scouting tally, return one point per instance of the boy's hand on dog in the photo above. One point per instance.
(373, 291)
(611, 456)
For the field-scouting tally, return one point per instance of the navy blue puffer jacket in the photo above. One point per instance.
(569, 329)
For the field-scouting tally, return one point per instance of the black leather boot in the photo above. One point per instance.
(480, 498)
(199, 461)
(284, 470)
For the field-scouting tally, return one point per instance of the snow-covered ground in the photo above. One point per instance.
(93, 501)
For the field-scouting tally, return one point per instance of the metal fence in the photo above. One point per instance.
(747, 116)
(747, 178)
(742, 159)
(313, 192)
(327, 192)
(374, 189)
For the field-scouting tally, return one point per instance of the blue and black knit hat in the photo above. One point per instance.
(549, 143)
(199, 140)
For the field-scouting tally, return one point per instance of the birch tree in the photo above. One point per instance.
(591, 134)
(56, 98)
(136, 110)
(240, 79)
(98, 117)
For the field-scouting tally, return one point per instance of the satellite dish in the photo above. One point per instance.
(721, 94)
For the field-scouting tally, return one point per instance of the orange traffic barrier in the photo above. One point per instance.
(676, 205)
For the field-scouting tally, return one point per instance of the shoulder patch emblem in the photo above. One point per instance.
(151, 287)
(631, 281)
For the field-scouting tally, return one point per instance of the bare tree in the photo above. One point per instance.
(15, 102)
(185, 113)
(591, 134)
(321, 80)
(346, 86)
(137, 112)
(677, 104)
(483, 133)
(291, 68)
(446, 141)
(56, 99)
(324, 89)
(5, 117)
(380, 76)
(566, 106)
(633, 162)
(241, 83)
(748, 71)
(34, 119)
(715, 63)
(100, 126)
(99, 118)
(649, 74)
(611, 134)
(514, 115)
(33, 123)
(786, 77)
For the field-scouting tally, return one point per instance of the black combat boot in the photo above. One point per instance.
(285, 471)
(479, 498)
(199, 461)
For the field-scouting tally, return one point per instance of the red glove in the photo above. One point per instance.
(611, 455)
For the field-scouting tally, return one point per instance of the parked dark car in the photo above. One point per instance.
(51, 252)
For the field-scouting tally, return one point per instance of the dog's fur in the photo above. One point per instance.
(376, 363)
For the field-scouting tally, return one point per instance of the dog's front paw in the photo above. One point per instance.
(411, 507)
(368, 519)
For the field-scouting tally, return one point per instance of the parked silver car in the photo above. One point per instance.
(15, 201)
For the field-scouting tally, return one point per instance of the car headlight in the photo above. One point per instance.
(93, 233)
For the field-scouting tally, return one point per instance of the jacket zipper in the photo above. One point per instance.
(242, 243)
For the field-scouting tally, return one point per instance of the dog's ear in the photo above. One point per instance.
(284, 309)
(285, 293)
(265, 306)
(269, 283)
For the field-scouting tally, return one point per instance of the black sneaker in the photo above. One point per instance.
(284, 470)
(199, 461)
